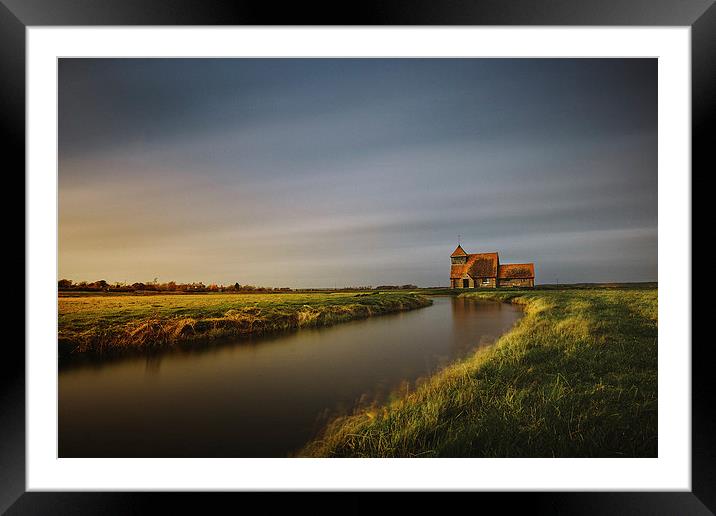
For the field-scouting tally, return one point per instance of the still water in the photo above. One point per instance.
(262, 397)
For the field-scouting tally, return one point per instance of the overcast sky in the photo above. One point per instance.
(323, 172)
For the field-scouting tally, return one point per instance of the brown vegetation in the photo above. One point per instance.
(98, 323)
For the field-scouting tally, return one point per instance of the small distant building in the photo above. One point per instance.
(483, 270)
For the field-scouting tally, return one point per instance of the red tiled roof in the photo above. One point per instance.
(480, 265)
(517, 271)
(459, 251)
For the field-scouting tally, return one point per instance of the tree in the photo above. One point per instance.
(237, 286)
(64, 284)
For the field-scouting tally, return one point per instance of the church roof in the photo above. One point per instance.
(459, 251)
(480, 265)
(516, 271)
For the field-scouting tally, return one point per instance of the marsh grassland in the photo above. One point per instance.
(115, 323)
(576, 377)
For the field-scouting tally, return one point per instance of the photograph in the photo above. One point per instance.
(405, 248)
(368, 257)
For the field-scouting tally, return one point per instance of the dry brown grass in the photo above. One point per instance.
(102, 324)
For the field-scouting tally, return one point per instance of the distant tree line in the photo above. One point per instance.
(66, 285)
(154, 286)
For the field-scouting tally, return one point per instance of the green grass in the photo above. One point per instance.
(101, 323)
(576, 377)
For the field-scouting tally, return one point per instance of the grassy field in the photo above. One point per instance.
(101, 323)
(576, 377)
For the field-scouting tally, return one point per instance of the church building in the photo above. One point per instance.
(483, 270)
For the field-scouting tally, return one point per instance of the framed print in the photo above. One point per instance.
(421, 249)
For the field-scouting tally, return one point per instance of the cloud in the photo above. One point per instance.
(283, 174)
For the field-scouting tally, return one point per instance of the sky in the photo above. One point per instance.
(355, 172)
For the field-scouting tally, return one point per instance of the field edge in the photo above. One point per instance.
(151, 331)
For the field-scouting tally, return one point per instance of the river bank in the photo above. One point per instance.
(100, 324)
(576, 377)
(266, 396)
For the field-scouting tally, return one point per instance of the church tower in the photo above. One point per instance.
(459, 256)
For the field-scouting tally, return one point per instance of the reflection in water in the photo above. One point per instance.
(264, 397)
(481, 319)
(152, 363)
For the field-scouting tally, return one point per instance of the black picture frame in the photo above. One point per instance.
(17, 15)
